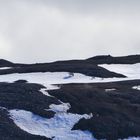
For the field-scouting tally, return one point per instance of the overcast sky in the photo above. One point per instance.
(49, 30)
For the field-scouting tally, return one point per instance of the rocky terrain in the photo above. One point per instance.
(91, 99)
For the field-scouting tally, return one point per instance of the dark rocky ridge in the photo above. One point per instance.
(108, 59)
(88, 67)
(5, 63)
(116, 114)
(26, 96)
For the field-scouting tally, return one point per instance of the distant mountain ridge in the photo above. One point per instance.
(88, 66)
(99, 59)
(5, 63)
(108, 59)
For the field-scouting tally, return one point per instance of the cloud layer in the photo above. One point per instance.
(48, 30)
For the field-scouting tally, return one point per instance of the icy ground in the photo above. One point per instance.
(50, 78)
(59, 127)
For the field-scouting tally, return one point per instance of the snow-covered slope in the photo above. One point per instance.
(132, 71)
(60, 126)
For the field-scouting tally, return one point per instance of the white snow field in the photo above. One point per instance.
(59, 127)
(132, 71)
(49, 78)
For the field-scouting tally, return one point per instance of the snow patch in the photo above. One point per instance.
(5, 68)
(53, 78)
(59, 127)
(44, 91)
(64, 107)
(112, 89)
(136, 87)
(46, 78)
(3, 108)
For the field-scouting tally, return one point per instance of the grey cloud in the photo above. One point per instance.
(48, 30)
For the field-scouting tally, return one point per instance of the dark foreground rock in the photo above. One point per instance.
(27, 97)
(9, 131)
(24, 96)
(116, 113)
(115, 107)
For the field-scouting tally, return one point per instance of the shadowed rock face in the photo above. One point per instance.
(108, 59)
(115, 112)
(5, 63)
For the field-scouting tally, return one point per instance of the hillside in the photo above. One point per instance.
(91, 99)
